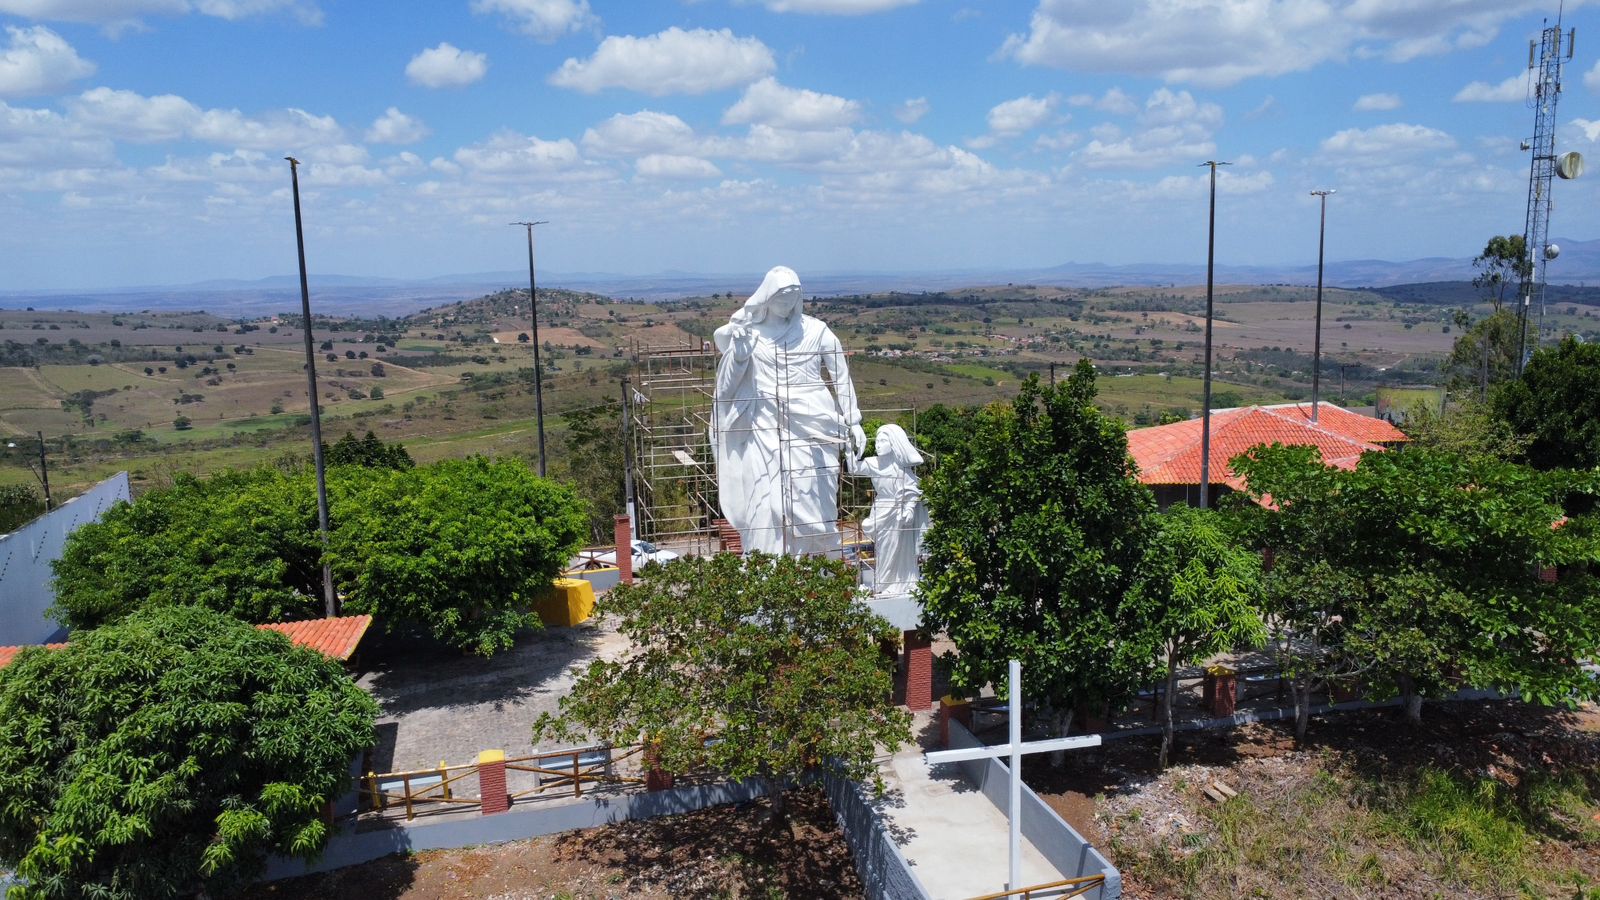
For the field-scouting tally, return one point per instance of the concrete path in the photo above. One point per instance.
(956, 840)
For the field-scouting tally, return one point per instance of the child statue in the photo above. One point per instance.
(898, 517)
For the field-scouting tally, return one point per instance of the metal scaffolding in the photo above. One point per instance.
(671, 424)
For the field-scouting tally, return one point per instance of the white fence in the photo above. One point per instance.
(26, 555)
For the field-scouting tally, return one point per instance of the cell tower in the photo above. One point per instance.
(1545, 57)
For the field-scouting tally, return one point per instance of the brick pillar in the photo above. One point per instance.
(1224, 694)
(492, 782)
(655, 777)
(622, 533)
(952, 709)
(919, 670)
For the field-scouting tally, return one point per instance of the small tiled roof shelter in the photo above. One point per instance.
(1168, 456)
(335, 638)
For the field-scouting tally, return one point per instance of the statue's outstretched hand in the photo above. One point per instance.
(858, 441)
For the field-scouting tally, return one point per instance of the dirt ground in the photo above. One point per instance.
(1117, 798)
(725, 852)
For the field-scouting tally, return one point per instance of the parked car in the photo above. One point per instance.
(644, 553)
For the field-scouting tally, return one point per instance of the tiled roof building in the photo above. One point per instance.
(335, 638)
(1168, 456)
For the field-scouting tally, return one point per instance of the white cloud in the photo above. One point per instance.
(1173, 128)
(446, 66)
(785, 107)
(510, 155)
(1114, 101)
(38, 61)
(543, 20)
(1377, 102)
(1591, 78)
(912, 111)
(132, 117)
(1590, 129)
(1386, 142)
(395, 127)
(637, 134)
(1222, 42)
(124, 13)
(1025, 113)
(671, 62)
(1509, 91)
(661, 165)
(835, 7)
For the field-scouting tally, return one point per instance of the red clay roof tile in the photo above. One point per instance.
(335, 638)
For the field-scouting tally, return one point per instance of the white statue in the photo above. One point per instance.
(785, 408)
(898, 518)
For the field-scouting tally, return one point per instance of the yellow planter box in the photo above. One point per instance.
(568, 602)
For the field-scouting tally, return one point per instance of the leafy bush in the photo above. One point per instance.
(168, 754)
(458, 548)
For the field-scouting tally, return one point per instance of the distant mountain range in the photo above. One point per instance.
(1578, 264)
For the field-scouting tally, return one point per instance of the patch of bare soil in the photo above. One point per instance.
(725, 852)
(1365, 809)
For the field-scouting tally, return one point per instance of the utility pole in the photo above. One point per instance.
(538, 367)
(1205, 414)
(330, 602)
(44, 475)
(1342, 368)
(1316, 351)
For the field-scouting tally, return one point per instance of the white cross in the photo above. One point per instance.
(1014, 748)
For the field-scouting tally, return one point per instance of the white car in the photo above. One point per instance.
(644, 553)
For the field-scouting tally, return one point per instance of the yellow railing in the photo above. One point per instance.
(1055, 890)
(552, 769)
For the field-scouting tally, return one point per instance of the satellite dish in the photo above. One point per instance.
(1569, 165)
(1551, 251)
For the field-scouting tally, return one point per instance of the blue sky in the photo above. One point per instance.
(141, 141)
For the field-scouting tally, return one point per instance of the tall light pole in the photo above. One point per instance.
(1316, 343)
(44, 471)
(1205, 401)
(538, 368)
(330, 604)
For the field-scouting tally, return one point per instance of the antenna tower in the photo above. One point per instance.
(1545, 57)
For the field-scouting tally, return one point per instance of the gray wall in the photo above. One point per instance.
(1067, 850)
(26, 555)
(885, 874)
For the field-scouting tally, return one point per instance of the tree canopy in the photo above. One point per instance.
(1423, 567)
(1038, 529)
(456, 549)
(1503, 263)
(168, 754)
(770, 656)
(594, 460)
(1555, 405)
(367, 451)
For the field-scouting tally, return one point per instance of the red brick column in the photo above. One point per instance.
(951, 709)
(919, 670)
(492, 782)
(623, 535)
(655, 777)
(1224, 694)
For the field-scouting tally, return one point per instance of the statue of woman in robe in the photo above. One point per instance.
(898, 517)
(785, 409)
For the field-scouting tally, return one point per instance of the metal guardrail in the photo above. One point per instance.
(552, 770)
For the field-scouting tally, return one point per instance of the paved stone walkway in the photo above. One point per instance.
(956, 840)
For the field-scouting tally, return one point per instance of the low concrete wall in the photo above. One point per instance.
(1058, 842)
(885, 874)
(25, 558)
(350, 847)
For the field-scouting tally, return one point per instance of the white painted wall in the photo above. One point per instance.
(26, 555)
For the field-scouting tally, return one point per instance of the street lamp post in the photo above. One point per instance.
(1205, 401)
(44, 471)
(1316, 346)
(330, 603)
(538, 367)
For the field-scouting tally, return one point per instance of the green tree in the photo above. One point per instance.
(456, 549)
(771, 656)
(1484, 355)
(19, 505)
(1503, 263)
(367, 451)
(594, 460)
(460, 548)
(1555, 406)
(1467, 427)
(182, 423)
(167, 755)
(1038, 530)
(1202, 593)
(1423, 568)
